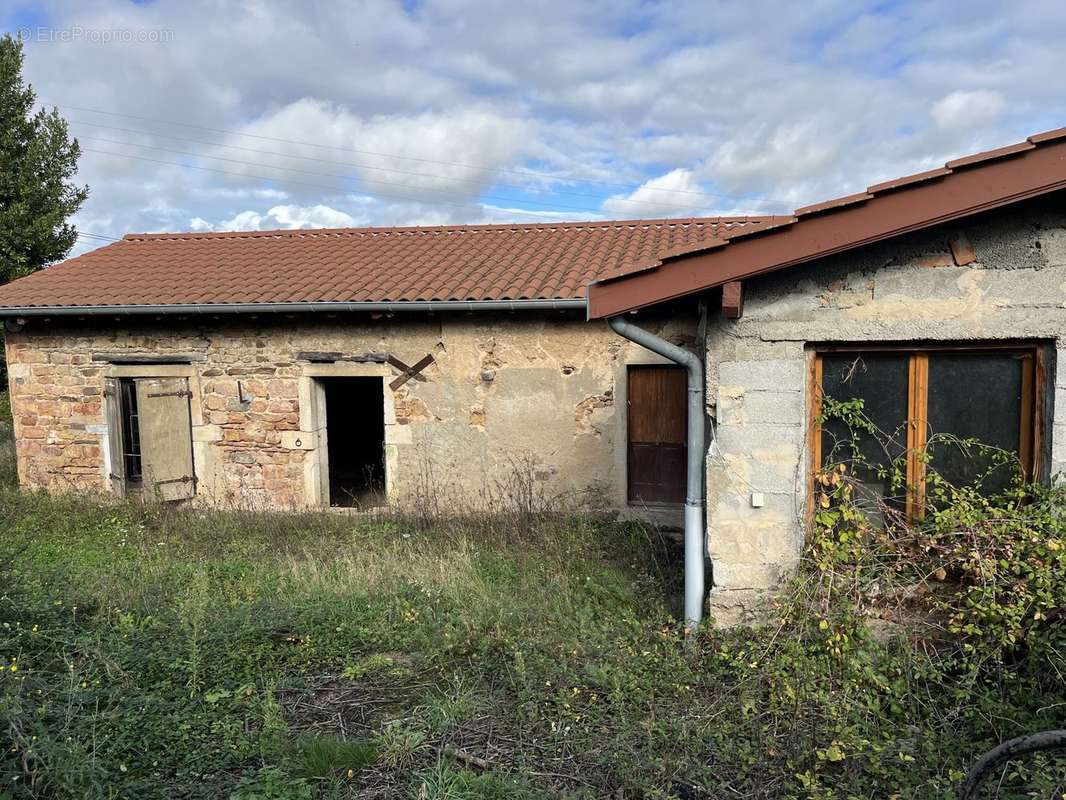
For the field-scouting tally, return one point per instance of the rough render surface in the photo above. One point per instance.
(904, 291)
(508, 397)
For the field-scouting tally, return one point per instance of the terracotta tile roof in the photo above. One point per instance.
(963, 187)
(464, 262)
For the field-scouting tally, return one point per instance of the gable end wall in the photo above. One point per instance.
(903, 291)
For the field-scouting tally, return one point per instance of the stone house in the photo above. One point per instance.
(638, 364)
(294, 369)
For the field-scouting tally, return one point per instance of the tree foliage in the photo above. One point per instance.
(38, 158)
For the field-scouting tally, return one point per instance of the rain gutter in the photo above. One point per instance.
(192, 309)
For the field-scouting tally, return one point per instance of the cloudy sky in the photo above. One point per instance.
(211, 115)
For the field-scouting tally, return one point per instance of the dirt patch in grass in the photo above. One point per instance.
(346, 707)
(420, 719)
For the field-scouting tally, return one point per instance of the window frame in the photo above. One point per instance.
(1032, 420)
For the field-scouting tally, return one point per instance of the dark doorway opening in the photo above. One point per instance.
(657, 415)
(355, 441)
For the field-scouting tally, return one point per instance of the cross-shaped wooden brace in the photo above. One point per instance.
(408, 372)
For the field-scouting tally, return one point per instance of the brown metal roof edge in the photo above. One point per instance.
(682, 251)
(634, 270)
(1008, 160)
(852, 199)
(929, 223)
(835, 203)
(594, 311)
(947, 169)
(1047, 136)
(908, 180)
(685, 249)
(990, 155)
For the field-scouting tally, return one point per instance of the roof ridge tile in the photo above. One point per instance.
(437, 229)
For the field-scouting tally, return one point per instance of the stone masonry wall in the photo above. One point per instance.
(506, 394)
(903, 291)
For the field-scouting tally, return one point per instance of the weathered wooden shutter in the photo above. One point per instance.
(166, 437)
(318, 413)
(116, 463)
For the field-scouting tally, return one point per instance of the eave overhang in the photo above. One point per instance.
(962, 188)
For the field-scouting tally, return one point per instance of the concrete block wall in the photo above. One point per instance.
(906, 291)
(540, 389)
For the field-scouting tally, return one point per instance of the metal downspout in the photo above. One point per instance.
(694, 502)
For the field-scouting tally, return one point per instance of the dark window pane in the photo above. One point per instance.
(880, 380)
(974, 396)
(131, 430)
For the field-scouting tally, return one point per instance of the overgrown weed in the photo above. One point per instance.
(147, 652)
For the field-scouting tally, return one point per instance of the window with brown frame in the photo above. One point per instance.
(921, 409)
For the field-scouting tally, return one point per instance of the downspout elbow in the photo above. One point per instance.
(657, 344)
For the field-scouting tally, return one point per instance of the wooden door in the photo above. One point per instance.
(657, 422)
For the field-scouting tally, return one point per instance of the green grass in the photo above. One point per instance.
(147, 653)
(7, 450)
(197, 654)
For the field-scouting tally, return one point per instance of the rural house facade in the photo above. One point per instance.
(364, 366)
(356, 367)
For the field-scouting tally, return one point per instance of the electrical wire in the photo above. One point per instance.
(274, 178)
(431, 191)
(362, 165)
(525, 174)
(100, 236)
(529, 174)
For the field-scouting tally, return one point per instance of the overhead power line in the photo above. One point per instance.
(431, 191)
(361, 165)
(274, 178)
(100, 236)
(527, 174)
(523, 173)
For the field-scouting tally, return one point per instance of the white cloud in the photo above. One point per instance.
(288, 216)
(493, 215)
(674, 194)
(244, 221)
(776, 158)
(963, 108)
(241, 193)
(453, 152)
